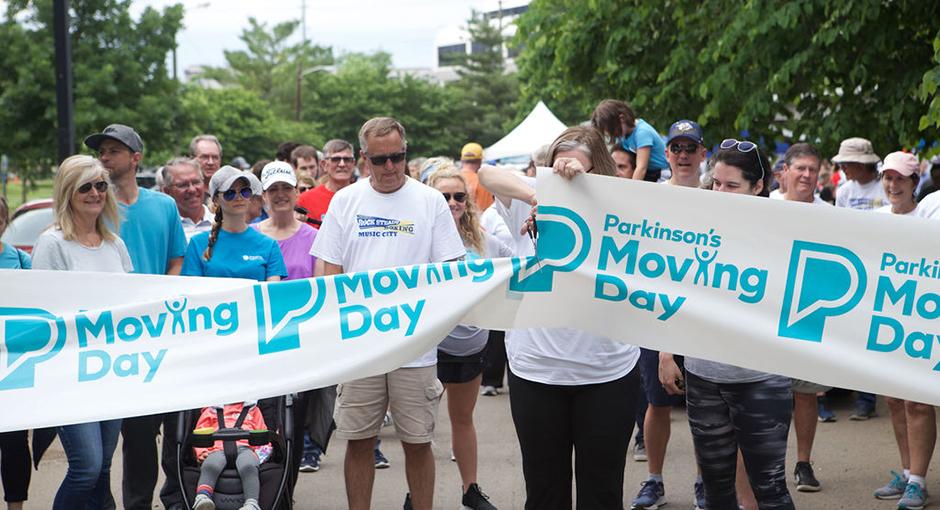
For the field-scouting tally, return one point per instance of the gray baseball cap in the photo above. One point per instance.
(119, 132)
(223, 179)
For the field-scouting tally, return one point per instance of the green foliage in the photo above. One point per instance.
(787, 70)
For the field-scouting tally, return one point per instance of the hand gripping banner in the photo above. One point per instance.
(840, 297)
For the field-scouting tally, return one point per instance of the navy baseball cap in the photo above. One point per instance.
(686, 129)
(119, 132)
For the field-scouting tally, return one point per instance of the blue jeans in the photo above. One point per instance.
(89, 448)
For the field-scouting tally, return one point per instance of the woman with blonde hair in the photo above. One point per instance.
(460, 356)
(81, 239)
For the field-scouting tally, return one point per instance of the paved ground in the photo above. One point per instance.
(852, 459)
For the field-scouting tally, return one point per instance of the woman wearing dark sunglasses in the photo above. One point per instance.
(81, 240)
(732, 408)
(231, 249)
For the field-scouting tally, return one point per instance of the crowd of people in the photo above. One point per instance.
(573, 394)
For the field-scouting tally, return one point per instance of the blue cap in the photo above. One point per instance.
(686, 129)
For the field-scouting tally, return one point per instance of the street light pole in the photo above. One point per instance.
(63, 78)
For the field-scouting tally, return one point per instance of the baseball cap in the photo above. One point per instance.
(471, 151)
(856, 150)
(277, 171)
(685, 129)
(119, 132)
(903, 163)
(223, 179)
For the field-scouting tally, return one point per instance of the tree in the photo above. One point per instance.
(797, 70)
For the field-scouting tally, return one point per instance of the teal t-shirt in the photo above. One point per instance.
(152, 232)
(11, 258)
(249, 254)
(645, 135)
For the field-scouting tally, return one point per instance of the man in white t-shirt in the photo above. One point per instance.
(861, 190)
(388, 220)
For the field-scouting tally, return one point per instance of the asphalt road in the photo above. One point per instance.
(851, 460)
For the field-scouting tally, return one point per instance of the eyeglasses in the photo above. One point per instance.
(688, 148)
(380, 160)
(301, 189)
(341, 159)
(458, 197)
(100, 187)
(745, 147)
(231, 194)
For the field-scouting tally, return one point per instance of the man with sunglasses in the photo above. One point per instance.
(384, 221)
(338, 166)
(685, 152)
(152, 231)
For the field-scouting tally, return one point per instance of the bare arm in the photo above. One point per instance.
(331, 269)
(275, 278)
(175, 266)
(642, 163)
(505, 186)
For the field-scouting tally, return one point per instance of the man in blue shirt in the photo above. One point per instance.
(152, 231)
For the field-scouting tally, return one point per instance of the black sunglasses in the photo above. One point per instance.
(458, 197)
(688, 148)
(100, 187)
(341, 159)
(745, 147)
(231, 194)
(301, 189)
(380, 160)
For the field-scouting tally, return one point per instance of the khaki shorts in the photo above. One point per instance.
(801, 386)
(411, 394)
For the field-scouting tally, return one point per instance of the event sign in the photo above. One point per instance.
(840, 297)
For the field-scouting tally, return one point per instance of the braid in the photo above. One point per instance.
(214, 235)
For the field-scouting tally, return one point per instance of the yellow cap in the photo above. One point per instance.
(471, 151)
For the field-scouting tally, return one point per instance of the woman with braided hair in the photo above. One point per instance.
(231, 249)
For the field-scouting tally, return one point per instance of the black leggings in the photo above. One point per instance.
(754, 417)
(15, 465)
(596, 420)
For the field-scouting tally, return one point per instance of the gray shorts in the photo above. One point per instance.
(801, 386)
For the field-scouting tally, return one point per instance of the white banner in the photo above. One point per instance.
(840, 297)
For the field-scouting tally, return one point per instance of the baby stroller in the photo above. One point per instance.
(274, 474)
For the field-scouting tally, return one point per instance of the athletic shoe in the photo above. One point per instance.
(825, 414)
(407, 505)
(250, 504)
(652, 494)
(915, 497)
(380, 461)
(699, 494)
(310, 463)
(863, 412)
(489, 391)
(639, 452)
(894, 489)
(805, 479)
(474, 499)
(203, 502)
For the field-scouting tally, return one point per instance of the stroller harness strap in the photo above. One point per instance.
(230, 448)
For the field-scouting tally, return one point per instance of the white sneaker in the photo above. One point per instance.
(489, 391)
(203, 502)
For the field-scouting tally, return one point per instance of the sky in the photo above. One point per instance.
(407, 29)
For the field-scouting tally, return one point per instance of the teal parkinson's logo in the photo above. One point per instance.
(281, 308)
(29, 336)
(822, 281)
(563, 245)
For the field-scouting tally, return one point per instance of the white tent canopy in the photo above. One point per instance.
(539, 128)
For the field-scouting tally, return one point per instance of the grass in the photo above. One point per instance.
(14, 192)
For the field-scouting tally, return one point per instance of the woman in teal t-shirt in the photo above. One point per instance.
(231, 249)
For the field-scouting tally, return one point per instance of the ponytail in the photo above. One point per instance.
(214, 234)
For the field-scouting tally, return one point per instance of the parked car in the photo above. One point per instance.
(28, 221)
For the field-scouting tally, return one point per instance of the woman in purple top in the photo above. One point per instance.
(293, 236)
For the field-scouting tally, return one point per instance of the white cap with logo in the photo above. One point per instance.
(277, 171)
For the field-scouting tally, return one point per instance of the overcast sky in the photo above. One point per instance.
(405, 28)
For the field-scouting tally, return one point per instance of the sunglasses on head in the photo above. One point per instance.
(380, 159)
(745, 147)
(688, 148)
(341, 159)
(100, 187)
(230, 195)
(458, 197)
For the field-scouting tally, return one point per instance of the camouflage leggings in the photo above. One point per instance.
(754, 417)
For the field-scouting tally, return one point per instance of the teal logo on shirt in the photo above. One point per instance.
(29, 337)
(281, 308)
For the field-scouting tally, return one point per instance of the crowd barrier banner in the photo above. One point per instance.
(840, 297)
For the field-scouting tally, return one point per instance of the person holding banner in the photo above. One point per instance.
(732, 408)
(461, 356)
(15, 469)
(915, 424)
(569, 389)
(81, 239)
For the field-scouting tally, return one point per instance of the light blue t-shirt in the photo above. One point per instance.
(645, 135)
(11, 258)
(152, 232)
(249, 254)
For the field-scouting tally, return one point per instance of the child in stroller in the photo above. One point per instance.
(250, 456)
